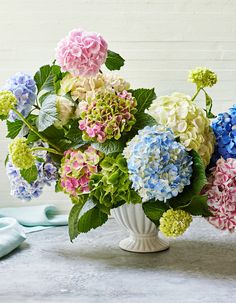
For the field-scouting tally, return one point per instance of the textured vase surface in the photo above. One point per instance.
(143, 234)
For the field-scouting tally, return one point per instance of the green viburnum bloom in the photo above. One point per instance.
(21, 154)
(174, 223)
(202, 77)
(111, 187)
(7, 102)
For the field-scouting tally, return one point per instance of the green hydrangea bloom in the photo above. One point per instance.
(20, 153)
(202, 77)
(7, 102)
(174, 223)
(111, 187)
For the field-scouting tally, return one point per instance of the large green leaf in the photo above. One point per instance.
(198, 180)
(14, 128)
(91, 219)
(154, 210)
(144, 97)
(46, 76)
(30, 174)
(48, 113)
(74, 133)
(198, 206)
(142, 120)
(110, 146)
(114, 61)
(73, 221)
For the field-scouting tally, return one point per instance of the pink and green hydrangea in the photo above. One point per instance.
(76, 168)
(107, 115)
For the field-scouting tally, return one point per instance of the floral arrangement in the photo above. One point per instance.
(105, 144)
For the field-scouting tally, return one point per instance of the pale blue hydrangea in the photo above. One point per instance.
(24, 88)
(21, 189)
(159, 166)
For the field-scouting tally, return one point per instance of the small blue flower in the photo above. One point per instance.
(159, 166)
(224, 127)
(24, 88)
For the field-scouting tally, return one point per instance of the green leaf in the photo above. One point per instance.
(144, 97)
(14, 128)
(198, 206)
(209, 106)
(46, 77)
(48, 113)
(198, 180)
(6, 159)
(2, 117)
(32, 137)
(30, 174)
(74, 133)
(58, 187)
(110, 146)
(142, 120)
(43, 97)
(154, 210)
(114, 61)
(73, 220)
(91, 219)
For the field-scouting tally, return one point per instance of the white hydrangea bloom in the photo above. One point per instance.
(187, 121)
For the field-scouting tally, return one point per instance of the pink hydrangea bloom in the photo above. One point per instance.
(76, 169)
(81, 53)
(221, 192)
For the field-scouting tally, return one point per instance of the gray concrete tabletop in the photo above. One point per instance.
(200, 266)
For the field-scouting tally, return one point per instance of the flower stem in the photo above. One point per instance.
(50, 150)
(34, 130)
(195, 95)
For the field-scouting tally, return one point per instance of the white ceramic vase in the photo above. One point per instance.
(143, 234)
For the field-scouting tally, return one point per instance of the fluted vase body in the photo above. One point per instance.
(143, 233)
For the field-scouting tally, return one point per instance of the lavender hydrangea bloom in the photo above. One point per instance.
(24, 88)
(21, 189)
(224, 127)
(159, 166)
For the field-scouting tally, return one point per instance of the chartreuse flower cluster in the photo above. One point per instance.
(107, 116)
(7, 102)
(76, 168)
(174, 223)
(187, 121)
(111, 186)
(224, 127)
(202, 77)
(21, 154)
(159, 166)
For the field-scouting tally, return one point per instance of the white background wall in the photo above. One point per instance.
(160, 39)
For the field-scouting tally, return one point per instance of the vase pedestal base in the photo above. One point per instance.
(143, 243)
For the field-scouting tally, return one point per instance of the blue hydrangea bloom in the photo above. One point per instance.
(24, 88)
(224, 127)
(159, 166)
(21, 189)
